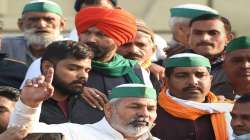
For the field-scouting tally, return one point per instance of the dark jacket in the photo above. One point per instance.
(105, 83)
(12, 72)
(169, 127)
(78, 112)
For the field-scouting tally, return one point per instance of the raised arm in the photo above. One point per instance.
(34, 92)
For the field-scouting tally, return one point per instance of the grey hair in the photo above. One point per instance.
(114, 100)
(174, 20)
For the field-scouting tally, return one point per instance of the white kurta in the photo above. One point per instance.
(24, 115)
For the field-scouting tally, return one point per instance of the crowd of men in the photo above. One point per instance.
(101, 82)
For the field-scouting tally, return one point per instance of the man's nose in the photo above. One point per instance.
(193, 80)
(41, 23)
(83, 75)
(246, 64)
(205, 37)
(91, 38)
(143, 112)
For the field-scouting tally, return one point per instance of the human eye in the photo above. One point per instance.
(213, 33)
(201, 74)
(181, 75)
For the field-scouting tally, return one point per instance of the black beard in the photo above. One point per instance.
(66, 89)
(2, 129)
(100, 52)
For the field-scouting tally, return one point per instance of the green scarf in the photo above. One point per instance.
(118, 66)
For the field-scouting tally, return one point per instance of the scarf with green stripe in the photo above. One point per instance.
(117, 67)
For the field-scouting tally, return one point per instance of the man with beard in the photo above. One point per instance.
(41, 23)
(209, 36)
(8, 99)
(188, 109)
(104, 30)
(240, 118)
(142, 49)
(237, 65)
(129, 114)
(72, 63)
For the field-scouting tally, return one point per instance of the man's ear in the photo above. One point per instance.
(108, 110)
(154, 48)
(20, 24)
(211, 77)
(63, 24)
(45, 66)
(230, 36)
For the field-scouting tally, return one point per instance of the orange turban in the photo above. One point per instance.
(118, 24)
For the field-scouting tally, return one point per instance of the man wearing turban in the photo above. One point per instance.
(104, 30)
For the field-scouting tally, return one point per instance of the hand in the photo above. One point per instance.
(158, 71)
(38, 89)
(223, 99)
(14, 133)
(94, 97)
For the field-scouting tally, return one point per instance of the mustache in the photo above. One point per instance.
(93, 46)
(191, 88)
(82, 82)
(98, 50)
(203, 43)
(35, 31)
(133, 55)
(139, 122)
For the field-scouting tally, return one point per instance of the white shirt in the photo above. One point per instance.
(25, 116)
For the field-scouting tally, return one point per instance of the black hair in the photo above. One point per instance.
(244, 99)
(60, 50)
(10, 93)
(78, 3)
(224, 20)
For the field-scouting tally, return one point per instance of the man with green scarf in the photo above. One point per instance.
(104, 30)
(108, 68)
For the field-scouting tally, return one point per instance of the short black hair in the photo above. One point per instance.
(10, 93)
(224, 20)
(244, 99)
(60, 50)
(78, 3)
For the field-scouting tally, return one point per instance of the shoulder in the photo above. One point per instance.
(16, 38)
(13, 42)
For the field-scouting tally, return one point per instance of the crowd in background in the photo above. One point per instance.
(113, 78)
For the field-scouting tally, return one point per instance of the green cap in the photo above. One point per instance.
(191, 10)
(133, 90)
(186, 60)
(43, 6)
(242, 42)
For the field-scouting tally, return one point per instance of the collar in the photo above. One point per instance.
(242, 137)
(105, 127)
(213, 107)
(218, 60)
